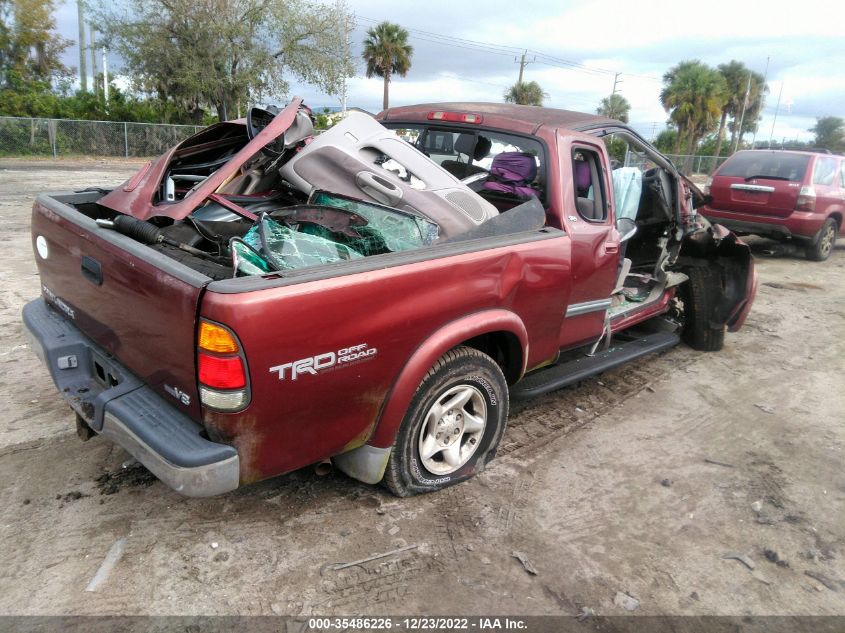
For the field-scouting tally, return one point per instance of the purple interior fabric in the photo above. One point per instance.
(513, 172)
(583, 179)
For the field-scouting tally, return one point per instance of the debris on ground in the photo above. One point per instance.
(742, 558)
(666, 483)
(764, 408)
(70, 496)
(111, 559)
(586, 612)
(827, 582)
(339, 566)
(135, 476)
(523, 558)
(707, 460)
(757, 506)
(773, 557)
(627, 602)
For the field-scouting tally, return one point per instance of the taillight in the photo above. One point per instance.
(221, 373)
(455, 117)
(221, 368)
(806, 199)
(706, 188)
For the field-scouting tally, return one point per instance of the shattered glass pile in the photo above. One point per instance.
(270, 246)
(281, 248)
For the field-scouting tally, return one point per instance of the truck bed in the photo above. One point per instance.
(141, 309)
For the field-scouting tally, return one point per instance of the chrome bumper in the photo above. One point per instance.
(129, 413)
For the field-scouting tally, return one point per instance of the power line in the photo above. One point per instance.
(508, 51)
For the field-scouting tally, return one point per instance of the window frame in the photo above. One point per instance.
(598, 170)
(542, 178)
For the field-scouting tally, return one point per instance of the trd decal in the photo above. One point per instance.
(314, 364)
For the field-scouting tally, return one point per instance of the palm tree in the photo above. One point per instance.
(693, 94)
(736, 78)
(387, 53)
(756, 94)
(615, 107)
(525, 93)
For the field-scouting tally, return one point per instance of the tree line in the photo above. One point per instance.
(196, 61)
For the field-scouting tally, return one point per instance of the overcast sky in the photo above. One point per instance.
(467, 50)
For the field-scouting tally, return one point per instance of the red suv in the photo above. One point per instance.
(781, 194)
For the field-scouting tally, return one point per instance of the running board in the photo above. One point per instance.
(570, 372)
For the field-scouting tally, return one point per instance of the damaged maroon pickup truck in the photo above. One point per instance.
(259, 298)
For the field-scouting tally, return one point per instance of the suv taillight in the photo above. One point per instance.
(221, 368)
(806, 199)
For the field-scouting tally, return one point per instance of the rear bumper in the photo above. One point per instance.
(119, 406)
(799, 224)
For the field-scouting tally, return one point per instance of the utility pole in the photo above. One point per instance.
(762, 103)
(777, 108)
(616, 81)
(93, 47)
(106, 76)
(522, 64)
(83, 70)
(653, 130)
(742, 116)
(346, 28)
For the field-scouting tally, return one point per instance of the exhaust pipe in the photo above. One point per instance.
(323, 468)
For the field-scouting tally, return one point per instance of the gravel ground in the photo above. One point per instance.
(632, 489)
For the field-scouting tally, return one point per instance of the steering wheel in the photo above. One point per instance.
(259, 118)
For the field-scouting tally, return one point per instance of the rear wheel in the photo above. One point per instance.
(823, 243)
(700, 295)
(453, 426)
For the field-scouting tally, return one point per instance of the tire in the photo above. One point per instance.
(700, 295)
(434, 449)
(822, 245)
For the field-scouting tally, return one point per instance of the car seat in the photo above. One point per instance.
(583, 190)
(471, 146)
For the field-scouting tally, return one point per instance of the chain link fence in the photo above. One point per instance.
(68, 137)
(686, 164)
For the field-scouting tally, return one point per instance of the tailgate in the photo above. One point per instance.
(758, 196)
(132, 301)
(759, 182)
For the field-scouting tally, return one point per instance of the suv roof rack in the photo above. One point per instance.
(788, 148)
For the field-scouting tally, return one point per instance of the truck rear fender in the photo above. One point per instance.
(498, 332)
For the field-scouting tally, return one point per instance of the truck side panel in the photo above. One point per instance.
(324, 355)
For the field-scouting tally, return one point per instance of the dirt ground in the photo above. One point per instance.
(638, 482)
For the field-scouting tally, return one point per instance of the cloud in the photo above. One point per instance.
(600, 38)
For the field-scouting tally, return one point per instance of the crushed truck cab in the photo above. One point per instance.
(255, 300)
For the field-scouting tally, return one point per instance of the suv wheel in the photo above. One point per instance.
(823, 243)
(700, 295)
(453, 426)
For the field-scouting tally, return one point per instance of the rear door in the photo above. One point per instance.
(138, 305)
(760, 182)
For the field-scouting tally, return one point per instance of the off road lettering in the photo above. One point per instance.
(314, 364)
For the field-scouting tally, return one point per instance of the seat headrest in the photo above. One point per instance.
(465, 144)
(482, 148)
